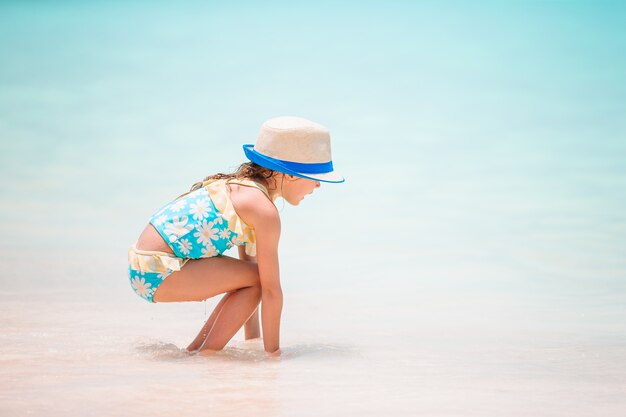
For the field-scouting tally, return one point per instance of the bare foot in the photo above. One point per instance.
(197, 343)
(193, 347)
(274, 354)
(207, 352)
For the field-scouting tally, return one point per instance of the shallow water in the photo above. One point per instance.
(472, 264)
(435, 353)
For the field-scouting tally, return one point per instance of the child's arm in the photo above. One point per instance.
(267, 230)
(256, 210)
(252, 328)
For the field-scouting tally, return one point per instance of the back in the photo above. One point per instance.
(204, 223)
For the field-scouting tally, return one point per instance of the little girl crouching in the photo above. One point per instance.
(179, 255)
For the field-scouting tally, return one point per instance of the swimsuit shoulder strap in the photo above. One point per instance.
(250, 183)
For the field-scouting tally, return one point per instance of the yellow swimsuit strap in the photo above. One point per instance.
(244, 182)
(220, 194)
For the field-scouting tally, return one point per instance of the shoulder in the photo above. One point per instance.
(253, 207)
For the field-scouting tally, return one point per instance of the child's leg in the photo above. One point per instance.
(204, 331)
(204, 278)
(200, 279)
(252, 328)
(236, 310)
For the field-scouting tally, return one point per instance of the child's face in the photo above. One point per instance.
(295, 188)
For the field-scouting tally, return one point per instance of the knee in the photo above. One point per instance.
(255, 289)
(257, 292)
(253, 272)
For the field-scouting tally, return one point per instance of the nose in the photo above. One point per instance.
(317, 184)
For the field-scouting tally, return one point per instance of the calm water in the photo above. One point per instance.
(473, 264)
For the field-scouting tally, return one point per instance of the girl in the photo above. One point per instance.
(178, 257)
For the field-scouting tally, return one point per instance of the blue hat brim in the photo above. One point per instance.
(277, 165)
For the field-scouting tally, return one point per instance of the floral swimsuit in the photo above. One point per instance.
(200, 224)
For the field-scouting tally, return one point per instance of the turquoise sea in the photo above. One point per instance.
(472, 264)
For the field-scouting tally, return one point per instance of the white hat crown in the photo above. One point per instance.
(294, 139)
(294, 146)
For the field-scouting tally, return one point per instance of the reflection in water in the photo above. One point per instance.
(315, 350)
(231, 382)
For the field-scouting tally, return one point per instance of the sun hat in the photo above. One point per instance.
(294, 146)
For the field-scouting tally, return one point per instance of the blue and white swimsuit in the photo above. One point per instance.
(200, 224)
(193, 227)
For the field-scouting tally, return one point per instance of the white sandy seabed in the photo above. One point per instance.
(431, 352)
